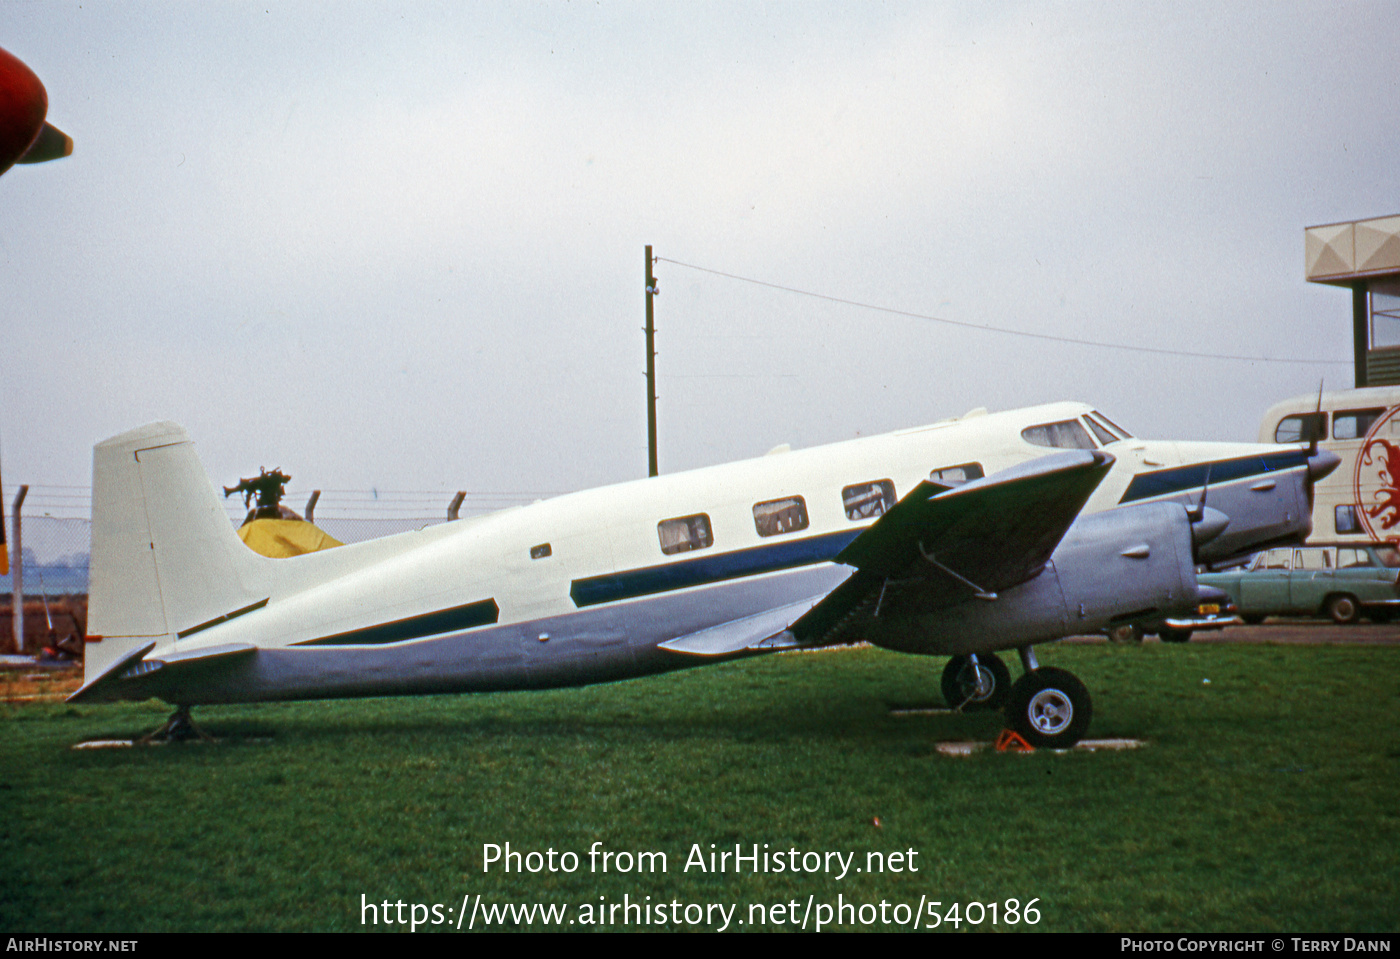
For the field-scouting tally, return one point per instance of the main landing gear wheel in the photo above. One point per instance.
(984, 686)
(1050, 708)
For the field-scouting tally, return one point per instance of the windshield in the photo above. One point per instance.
(1065, 435)
(1111, 425)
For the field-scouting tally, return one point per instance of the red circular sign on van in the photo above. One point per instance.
(1375, 479)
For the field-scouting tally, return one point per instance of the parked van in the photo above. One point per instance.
(1360, 500)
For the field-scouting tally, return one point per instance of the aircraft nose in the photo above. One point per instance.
(1321, 463)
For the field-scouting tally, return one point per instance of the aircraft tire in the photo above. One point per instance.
(1050, 708)
(1170, 635)
(1343, 609)
(960, 684)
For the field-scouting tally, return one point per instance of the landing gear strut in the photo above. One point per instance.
(980, 681)
(180, 727)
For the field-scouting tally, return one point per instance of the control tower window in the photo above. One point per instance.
(1385, 314)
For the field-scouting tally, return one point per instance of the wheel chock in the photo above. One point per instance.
(1010, 741)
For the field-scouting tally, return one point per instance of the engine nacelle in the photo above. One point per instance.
(1093, 580)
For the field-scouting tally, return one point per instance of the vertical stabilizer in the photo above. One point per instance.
(165, 557)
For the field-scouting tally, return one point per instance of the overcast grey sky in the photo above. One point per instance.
(400, 246)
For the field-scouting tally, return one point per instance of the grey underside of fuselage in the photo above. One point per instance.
(593, 645)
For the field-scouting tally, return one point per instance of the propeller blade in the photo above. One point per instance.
(51, 144)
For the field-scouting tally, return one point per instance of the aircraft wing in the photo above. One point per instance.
(939, 547)
(751, 632)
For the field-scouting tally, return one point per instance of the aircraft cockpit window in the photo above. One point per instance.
(868, 500)
(685, 533)
(1102, 432)
(1111, 425)
(1353, 424)
(780, 516)
(957, 475)
(1065, 435)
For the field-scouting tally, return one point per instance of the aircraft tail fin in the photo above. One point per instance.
(165, 558)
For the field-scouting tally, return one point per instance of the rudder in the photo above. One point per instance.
(164, 556)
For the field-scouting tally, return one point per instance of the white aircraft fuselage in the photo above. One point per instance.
(672, 571)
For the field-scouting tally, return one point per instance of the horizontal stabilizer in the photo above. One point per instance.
(113, 670)
(209, 652)
(739, 634)
(134, 664)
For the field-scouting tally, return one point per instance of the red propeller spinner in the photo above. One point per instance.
(24, 136)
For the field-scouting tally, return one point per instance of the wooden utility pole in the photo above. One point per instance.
(651, 371)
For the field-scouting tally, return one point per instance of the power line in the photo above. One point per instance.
(999, 329)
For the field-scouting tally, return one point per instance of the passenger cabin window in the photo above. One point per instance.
(1065, 435)
(1297, 428)
(540, 551)
(779, 516)
(1353, 424)
(957, 475)
(684, 533)
(868, 500)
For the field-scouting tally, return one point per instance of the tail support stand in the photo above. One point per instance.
(180, 727)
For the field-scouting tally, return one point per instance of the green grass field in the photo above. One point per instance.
(1265, 801)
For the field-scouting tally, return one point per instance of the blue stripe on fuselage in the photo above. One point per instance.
(710, 569)
(1181, 478)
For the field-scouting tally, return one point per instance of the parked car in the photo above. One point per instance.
(1343, 581)
(1211, 615)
